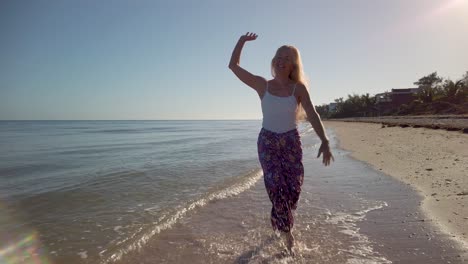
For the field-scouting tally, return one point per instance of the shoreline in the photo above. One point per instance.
(433, 162)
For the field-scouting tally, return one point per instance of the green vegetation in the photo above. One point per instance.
(435, 96)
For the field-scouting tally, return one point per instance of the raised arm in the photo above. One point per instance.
(314, 119)
(256, 82)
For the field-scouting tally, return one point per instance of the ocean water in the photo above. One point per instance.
(90, 186)
(169, 192)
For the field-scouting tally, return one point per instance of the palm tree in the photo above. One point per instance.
(450, 88)
(428, 86)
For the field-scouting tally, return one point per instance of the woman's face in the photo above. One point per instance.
(284, 61)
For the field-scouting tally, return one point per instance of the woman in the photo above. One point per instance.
(283, 99)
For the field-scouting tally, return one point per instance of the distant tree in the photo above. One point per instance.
(339, 107)
(323, 110)
(339, 100)
(429, 86)
(354, 105)
(368, 101)
(451, 90)
(435, 95)
(455, 92)
(464, 79)
(463, 91)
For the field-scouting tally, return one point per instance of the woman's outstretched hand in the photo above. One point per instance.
(327, 155)
(249, 36)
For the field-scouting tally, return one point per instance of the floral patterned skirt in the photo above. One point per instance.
(280, 155)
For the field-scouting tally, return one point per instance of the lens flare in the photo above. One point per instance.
(19, 245)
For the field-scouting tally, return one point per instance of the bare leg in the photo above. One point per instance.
(290, 241)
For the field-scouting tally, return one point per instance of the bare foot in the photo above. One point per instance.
(289, 242)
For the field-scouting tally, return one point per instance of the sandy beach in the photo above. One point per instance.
(433, 162)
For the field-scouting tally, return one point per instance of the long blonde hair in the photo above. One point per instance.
(297, 74)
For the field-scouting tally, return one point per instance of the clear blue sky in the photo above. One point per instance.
(125, 59)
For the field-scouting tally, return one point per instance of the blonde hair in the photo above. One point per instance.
(297, 74)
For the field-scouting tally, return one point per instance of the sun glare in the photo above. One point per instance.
(450, 5)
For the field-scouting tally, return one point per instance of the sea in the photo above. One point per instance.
(173, 192)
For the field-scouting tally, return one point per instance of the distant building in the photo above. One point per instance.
(391, 100)
(403, 96)
(332, 107)
(397, 96)
(383, 98)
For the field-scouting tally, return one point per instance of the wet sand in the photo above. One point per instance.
(433, 162)
(347, 213)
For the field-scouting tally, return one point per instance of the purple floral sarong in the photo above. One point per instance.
(280, 155)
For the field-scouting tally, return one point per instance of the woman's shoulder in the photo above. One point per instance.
(301, 87)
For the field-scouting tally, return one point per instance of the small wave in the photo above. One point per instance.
(83, 254)
(363, 252)
(25, 169)
(117, 131)
(92, 151)
(305, 128)
(307, 131)
(140, 130)
(166, 222)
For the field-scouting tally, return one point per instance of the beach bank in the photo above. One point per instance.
(447, 122)
(434, 162)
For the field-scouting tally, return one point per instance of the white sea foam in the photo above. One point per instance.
(83, 254)
(167, 222)
(361, 249)
(305, 129)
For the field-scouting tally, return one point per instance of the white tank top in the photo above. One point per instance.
(279, 113)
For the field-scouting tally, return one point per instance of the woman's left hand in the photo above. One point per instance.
(327, 155)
